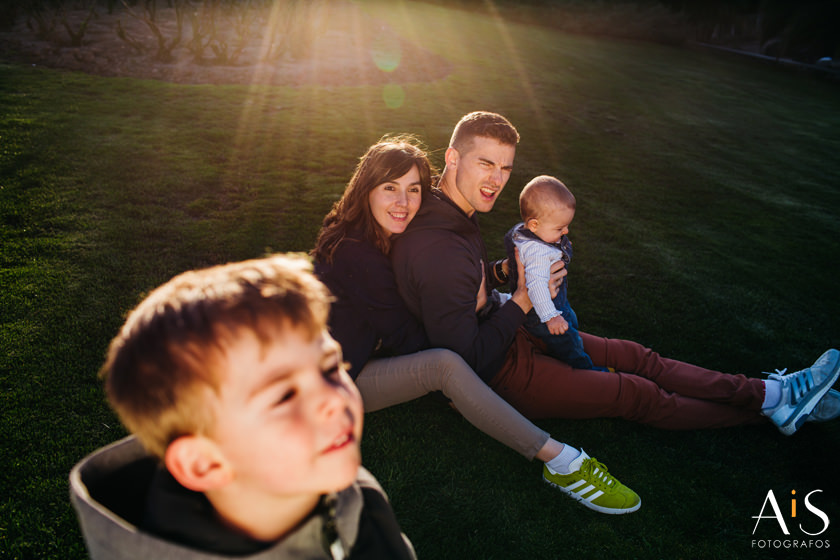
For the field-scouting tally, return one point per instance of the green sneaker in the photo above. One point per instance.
(593, 486)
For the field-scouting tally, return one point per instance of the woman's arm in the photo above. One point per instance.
(367, 281)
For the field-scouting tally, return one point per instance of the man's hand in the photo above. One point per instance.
(520, 295)
(558, 272)
(557, 325)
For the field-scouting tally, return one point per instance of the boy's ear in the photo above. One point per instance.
(450, 157)
(532, 224)
(197, 463)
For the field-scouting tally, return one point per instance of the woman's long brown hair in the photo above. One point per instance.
(387, 160)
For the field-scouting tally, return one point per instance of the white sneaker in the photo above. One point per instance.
(802, 391)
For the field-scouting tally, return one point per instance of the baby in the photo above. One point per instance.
(547, 208)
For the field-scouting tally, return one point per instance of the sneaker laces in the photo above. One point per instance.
(598, 473)
(800, 382)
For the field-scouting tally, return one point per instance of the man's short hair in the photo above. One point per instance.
(542, 193)
(482, 123)
(169, 355)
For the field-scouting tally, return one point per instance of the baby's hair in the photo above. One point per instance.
(169, 355)
(542, 193)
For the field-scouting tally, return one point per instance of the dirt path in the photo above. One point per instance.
(350, 48)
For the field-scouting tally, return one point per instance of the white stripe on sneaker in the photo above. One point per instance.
(594, 496)
(584, 491)
(576, 483)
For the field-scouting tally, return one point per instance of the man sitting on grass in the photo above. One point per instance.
(440, 262)
(228, 376)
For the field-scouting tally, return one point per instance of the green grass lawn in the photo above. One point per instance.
(707, 228)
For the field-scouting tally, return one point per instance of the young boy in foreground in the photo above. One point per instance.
(228, 376)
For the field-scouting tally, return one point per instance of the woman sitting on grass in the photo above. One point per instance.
(370, 321)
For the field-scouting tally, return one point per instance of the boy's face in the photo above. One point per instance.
(553, 224)
(288, 417)
(481, 172)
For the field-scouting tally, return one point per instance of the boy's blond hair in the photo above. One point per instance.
(169, 355)
(544, 193)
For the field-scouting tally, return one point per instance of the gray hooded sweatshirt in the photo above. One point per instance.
(109, 490)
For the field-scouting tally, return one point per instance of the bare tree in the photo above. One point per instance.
(148, 15)
(76, 34)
